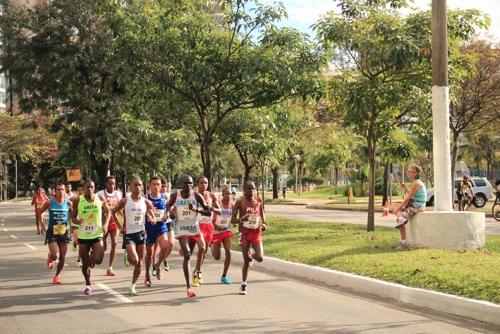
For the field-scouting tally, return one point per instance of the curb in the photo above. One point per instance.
(474, 309)
(315, 206)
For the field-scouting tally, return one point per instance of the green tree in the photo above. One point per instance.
(383, 61)
(63, 58)
(475, 94)
(218, 60)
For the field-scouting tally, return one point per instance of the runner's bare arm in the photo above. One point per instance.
(236, 209)
(118, 207)
(263, 217)
(45, 207)
(170, 205)
(150, 214)
(33, 201)
(74, 214)
(206, 211)
(215, 204)
(106, 212)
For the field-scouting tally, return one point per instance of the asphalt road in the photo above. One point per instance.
(351, 217)
(30, 303)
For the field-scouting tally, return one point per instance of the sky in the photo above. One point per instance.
(303, 13)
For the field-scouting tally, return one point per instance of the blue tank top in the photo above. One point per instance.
(420, 196)
(160, 210)
(58, 213)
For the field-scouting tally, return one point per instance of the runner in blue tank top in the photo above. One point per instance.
(157, 233)
(58, 234)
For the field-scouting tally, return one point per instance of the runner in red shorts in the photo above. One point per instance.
(113, 196)
(38, 201)
(251, 224)
(222, 232)
(206, 222)
(187, 205)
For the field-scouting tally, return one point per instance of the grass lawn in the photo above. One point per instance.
(349, 248)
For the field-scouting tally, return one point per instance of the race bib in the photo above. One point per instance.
(159, 214)
(59, 229)
(89, 228)
(138, 218)
(185, 214)
(222, 222)
(252, 222)
(39, 206)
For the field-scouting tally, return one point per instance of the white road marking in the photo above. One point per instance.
(29, 246)
(5, 230)
(114, 293)
(13, 236)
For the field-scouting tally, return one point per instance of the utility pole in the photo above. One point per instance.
(440, 109)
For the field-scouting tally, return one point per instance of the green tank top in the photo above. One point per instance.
(91, 213)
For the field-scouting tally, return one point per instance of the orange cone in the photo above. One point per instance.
(385, 213)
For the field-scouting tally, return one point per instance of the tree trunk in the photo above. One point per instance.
(262, 180)
(206, 160)
(371, 188)
(454, 154)
(385, 187)
(275, 182)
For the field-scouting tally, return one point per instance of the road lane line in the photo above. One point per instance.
(29, 246)
(13, 236)
(5, 230)
(114, 293)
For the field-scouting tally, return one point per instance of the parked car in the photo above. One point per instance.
(481, 186)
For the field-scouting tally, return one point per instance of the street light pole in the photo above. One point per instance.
(440, 109)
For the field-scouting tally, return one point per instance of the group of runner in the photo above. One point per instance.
(197, 219)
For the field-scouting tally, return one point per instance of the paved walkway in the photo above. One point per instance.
(29, 303)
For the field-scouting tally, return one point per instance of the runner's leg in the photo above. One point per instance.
(184, 244)
(112, 252)
(84, 251)
(140, 250)
(63, 248)
(227, 260)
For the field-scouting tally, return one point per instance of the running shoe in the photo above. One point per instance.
(225, 280)
(88, 290)
(401, 222)
(73, 247)
(125, 260)
(110, 272)
(165, 266)
(132, 291)
(153, 272)
(196, 279)
(79, 263)
(191, 293)
(147, 283)
(56, 279)
(243, 289)
(403, 245)
(200, 279)
(50, 263)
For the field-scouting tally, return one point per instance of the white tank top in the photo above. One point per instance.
(223, 220)
(135, 215)
(186, 222)
(206, 219)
